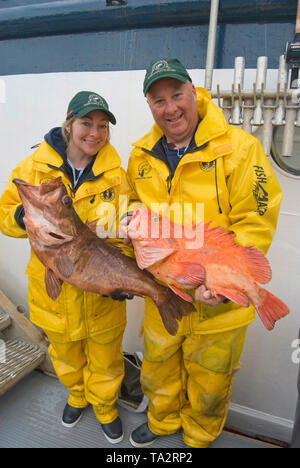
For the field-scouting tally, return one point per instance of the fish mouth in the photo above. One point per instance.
(56, 236)
(35, 199)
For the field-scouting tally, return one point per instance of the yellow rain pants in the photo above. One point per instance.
(92, 370)
(188, 380)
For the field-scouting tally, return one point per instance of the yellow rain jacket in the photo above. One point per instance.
(76, 314)
(225, 169)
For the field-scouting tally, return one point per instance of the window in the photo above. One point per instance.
(289, 164)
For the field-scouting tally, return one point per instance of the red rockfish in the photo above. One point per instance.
(213, 259)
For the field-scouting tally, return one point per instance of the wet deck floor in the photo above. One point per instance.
(30, 417)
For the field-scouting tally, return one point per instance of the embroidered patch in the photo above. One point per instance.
(95, 100)
(161, 65)
(207, 166)
(144, 169)
(108, 195)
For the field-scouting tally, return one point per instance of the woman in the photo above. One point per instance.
(84, 330)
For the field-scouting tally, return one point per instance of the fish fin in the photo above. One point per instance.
(192, 274)
(270, 309)
(148, 255)
(218, 235)
(64, 265)
(187, 297)
(172, 309)
(258, 264)
(92, 225)
(53, 284)
(234, 295)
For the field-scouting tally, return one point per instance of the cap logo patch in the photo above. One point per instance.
(160, 66)
(95, 100)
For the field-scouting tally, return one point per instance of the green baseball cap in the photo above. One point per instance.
(86, 101)
(165, 68)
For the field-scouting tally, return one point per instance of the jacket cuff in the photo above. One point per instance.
(19, 215)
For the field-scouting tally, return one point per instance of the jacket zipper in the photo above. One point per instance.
(169, 182)
(170, 176)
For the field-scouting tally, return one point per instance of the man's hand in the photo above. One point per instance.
(204, 295)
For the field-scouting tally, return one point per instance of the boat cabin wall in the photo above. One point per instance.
(50, 50)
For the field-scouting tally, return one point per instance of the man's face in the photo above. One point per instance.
(174, 108)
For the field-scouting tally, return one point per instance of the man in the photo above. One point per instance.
(192, 156)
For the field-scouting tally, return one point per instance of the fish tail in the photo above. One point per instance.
(270, 308)
(172, 308)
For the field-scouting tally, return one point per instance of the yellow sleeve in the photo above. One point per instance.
(255, 198)
(10, 202)
(134, 200)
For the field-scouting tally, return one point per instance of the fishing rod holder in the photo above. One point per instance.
(257, 96)
(260, 109)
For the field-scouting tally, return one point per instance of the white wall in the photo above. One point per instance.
(31, 104)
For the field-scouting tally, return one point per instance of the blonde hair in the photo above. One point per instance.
(66, 130)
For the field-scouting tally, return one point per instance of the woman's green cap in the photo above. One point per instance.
(86, 101)
(165, 68)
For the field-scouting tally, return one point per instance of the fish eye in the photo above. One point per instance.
(67, 201)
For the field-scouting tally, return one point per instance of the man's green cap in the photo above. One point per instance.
(165, 68)
(86, 101)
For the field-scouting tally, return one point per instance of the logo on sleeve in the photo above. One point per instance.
(259, 192)
(143, 170)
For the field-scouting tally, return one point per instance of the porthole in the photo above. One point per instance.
(290, 164)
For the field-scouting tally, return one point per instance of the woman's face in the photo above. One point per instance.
(89, 133)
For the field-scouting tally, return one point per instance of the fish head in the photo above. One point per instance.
(150, 235)
(49, 216)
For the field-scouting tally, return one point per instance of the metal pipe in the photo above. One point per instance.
(211, 43)
(248, 94)
(297, 123)
(289, 130)
(281, 87)
(261, 72)
(267, 129)
(238, 84)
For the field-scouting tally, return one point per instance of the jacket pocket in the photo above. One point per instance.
(45, 312)
(104, 314)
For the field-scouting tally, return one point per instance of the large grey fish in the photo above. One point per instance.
(71, 252)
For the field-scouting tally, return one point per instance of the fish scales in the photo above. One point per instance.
(214, 260)
(71, 252)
